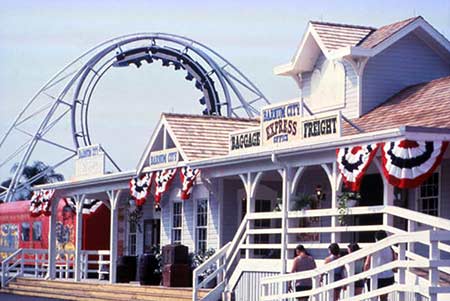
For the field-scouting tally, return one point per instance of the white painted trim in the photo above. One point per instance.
(148, 148)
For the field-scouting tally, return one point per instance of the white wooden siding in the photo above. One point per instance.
(409, 61)
(248, 286)
(350, 102)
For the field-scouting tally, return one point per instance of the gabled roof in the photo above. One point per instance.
(423, 105)
(335, 36)
(384, 32)
(201, 136)
(343, 40)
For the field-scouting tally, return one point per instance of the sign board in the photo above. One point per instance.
(245, 139)
(280, 123)
(90, 161)
(320, 126)
(164, 157)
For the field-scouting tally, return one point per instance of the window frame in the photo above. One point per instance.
(22, 232)
(419, 198)
(172, 220)
(33, 237)
(204, 227)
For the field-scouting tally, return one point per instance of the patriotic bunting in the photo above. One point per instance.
(353, 163)
(41, 202)
(89, 205)
(408, 163)
(163, 179)
(140, 188)
(188, 176)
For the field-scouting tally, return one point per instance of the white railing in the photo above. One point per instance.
(325, 291)
(207, 272)
(95, 262)
(34, 263)
(246, 233)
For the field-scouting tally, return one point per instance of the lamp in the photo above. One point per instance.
(157, 207)
(319, 193)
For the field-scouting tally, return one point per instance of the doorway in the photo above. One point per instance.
(152, 229)
(371, 195)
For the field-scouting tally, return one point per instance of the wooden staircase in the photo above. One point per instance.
(87, 291)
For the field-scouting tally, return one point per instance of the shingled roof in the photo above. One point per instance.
(335, 36)
(201, 136)
(424, 105)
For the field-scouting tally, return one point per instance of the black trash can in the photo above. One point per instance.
(126, 269)
(148, 270)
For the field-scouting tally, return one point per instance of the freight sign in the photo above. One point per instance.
(319, 126)
(245, 139)
(90, 161)
(280, 123)
(164, 157)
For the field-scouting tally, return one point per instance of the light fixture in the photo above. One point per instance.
(157, 207)
(319, 193)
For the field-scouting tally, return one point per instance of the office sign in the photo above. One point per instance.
(280, 123)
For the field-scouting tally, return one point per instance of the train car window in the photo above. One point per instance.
(37, 231)
(25, 233)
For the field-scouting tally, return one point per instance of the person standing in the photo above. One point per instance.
(339, 272)
(382, 257)
(359, 268)
(302, 262)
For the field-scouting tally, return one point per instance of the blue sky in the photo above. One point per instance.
(37, 38)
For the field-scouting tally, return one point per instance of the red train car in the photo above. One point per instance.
(19, 230)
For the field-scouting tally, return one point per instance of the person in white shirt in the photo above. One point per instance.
(382, 257)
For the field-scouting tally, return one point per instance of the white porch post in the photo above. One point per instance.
(51, 272)
(334, 191)
(113, 196)
(79, 199)
(287, 177)
(388, 200)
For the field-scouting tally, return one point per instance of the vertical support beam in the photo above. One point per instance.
(113, 196)
(51, 272)
(388, 200)
(79, 200)
(287, 177)
(434, 272)
(334, 184)
(401, 271)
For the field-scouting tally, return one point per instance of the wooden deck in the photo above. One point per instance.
(96, 290)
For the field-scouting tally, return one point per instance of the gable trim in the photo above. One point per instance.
(162, 125)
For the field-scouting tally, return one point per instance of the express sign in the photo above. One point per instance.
(280, 123)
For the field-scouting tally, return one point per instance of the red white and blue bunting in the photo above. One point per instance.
(353, 163)
(140, 188)
(89, 205)
(188, 176)
(407, 163)
(41, 202)
(163, 179)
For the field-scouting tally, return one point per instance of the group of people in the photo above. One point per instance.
(304, 261)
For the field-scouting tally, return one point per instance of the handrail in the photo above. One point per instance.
(429, 236)
(6, 267)
(219, 260)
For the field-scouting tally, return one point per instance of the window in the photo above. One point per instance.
(132, 238)
(429, 195)
(177, 222)
(201, 230)
(25, 234)
(37, 231)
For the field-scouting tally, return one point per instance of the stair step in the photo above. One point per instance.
(69, 290)
(100, 294)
